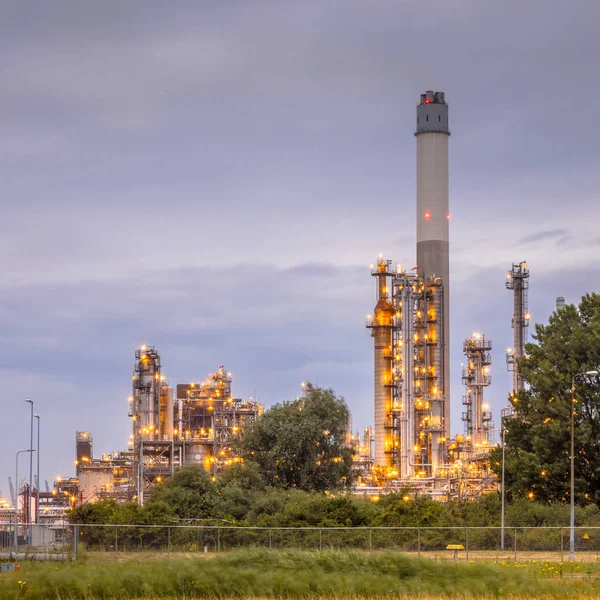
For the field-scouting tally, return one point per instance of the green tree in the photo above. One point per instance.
(190, 494)
(302, 444)
(537, 464)
(239, 487)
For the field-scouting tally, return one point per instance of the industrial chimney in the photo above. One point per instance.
(433, 214)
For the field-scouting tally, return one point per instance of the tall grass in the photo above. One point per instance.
(284, 574)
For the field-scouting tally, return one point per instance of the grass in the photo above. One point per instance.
(292, 575)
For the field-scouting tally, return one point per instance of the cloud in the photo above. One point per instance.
(544, 235)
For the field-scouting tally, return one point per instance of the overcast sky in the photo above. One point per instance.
(215, 177)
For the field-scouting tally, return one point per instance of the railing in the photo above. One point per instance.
(479, 543)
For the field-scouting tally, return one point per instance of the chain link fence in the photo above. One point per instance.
(61, 542)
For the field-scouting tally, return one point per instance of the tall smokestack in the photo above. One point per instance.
(433, 213)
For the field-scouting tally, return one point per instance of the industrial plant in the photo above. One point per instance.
(410, 326)
(410, 446)
(193, 423)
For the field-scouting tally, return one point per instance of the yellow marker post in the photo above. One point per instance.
(456, 548)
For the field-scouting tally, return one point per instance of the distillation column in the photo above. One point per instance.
(145, 401)
(517, 281)
(432, 218)
(476, 377)
(433, 313)
(381, 325)
(405, 290)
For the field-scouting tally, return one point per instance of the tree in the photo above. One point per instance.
(302, 444)
(190, 493)
(239, 486)
(537, 464)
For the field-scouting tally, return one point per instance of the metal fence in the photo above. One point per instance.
(474, 543)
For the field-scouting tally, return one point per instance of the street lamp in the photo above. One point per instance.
(17, 497)
(572, 528)
(37, 488)
(502, 517)
(30, 401)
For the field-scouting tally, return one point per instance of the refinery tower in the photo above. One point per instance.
(433, 213)
(410, 323)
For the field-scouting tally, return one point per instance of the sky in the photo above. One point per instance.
(214, 178)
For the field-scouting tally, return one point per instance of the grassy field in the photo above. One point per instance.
(298, 575)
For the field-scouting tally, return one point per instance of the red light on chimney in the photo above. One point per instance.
(447, 216)
(427, 101)
(427, 215)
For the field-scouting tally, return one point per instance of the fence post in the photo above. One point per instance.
(419, 541)
(168, 539)
(116, 538)
(270, 539)
(371, 539)
(218, 539)
(320, 539)
(75, 541)
(562, 544)
(466, 543)
(515, 544)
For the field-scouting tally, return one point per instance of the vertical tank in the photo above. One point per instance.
(433, 215)
(145, 409)
(166, 411)
(476, 377)
(381, 324)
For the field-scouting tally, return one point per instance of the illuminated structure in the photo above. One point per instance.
(386, 415)
(410, 426)
(410, 324)
(209, 420)
(476, 376)
(517, 281)
(200, 427)
(410, 327)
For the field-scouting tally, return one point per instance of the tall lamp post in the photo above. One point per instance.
(37, 487)
(17, 497)
(503, 490)
(30, 401)
(572, 527)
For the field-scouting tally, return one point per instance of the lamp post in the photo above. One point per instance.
(17, 498)
(37, 488)
(572, 524)
(30, 401)
(503, 489)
